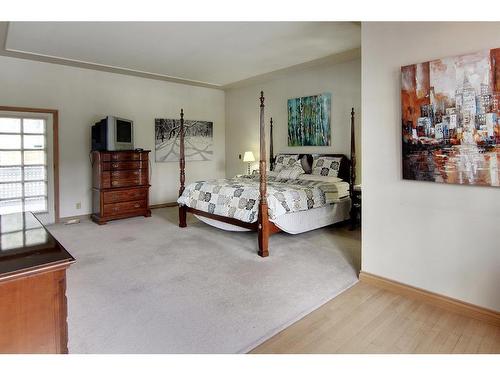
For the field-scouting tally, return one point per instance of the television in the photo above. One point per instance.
(113, 133)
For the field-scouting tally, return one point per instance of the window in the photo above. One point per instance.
(20, 231)
(23, 165)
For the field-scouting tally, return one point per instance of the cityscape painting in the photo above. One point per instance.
(451, 119)
(198, 141)
(309, 120)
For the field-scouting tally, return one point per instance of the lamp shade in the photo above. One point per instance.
(248, 156)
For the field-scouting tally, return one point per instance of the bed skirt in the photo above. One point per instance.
(298, 222)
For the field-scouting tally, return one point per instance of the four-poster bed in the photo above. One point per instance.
(243, 199)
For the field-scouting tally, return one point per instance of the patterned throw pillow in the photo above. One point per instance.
(284, 161)
(290, 173)
(326, 166)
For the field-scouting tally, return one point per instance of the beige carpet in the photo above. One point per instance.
(143, 285)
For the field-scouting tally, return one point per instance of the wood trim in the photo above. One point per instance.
(163, 205)
(62, 265)
(26, 55)
(228, 220)
(251, 226)
(439, 300)
(55, 146)
(87, 216)
(336, 58)
(80, 217)
(55, 158)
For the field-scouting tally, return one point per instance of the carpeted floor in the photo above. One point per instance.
(143, 285)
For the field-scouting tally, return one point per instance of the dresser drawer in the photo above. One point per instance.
(124, 207)
(124, 195)
(128, 178)
(123, 165)
(126, 156)
(128, 174)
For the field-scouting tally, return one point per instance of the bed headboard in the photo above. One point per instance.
(345, 163)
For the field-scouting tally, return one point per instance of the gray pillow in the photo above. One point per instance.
(305, 164)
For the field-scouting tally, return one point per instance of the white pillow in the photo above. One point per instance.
(326, 166)
(290, 173)
(284, 161)
(315, 177)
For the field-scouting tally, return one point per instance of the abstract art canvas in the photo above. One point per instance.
(309, 120)
(198, 142)
(451, 119)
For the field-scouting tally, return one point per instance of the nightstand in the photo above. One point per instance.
(356, 207)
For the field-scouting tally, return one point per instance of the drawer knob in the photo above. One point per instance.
(115, 173)
(137, 205)
(115, 165)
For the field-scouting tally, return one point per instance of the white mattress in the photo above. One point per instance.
(298, 222)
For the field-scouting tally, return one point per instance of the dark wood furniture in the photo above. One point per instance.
(33, 308)
(356, 207)
(263, 226)
(120, 186)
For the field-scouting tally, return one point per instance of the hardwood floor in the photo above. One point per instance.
(368, 319)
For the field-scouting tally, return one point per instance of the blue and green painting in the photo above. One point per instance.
(309, 120)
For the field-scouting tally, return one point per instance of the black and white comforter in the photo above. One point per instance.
(239, 197)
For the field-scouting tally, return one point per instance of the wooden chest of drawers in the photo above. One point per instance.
(120, 185)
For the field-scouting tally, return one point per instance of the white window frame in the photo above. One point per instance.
(23, 197)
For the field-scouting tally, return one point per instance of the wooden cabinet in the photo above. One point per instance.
(120, 185)
(33, 305)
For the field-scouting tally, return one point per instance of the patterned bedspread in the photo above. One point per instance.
(239, 197)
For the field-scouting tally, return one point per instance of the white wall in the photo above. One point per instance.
(83, 96)
(343, 80)
(442, 238)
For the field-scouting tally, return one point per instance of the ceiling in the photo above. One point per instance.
(208, 53)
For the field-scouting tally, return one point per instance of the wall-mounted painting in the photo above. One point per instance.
(198, 142)
(451, 119)
(309, 120)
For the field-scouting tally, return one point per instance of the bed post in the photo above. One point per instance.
(353, 155)
(355, 198)
(271, 151)
(263, 223)
(182, 175)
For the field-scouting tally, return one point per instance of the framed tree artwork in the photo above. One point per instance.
(309, 120)
(198, 140)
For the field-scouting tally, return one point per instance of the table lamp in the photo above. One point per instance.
(248, 158)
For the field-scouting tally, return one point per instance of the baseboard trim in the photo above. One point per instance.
(87, 216)
(81, 217)
(448, 303)
(163, 205)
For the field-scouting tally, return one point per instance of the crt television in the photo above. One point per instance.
(113, 133)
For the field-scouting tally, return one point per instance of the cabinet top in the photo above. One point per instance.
(26, 246)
